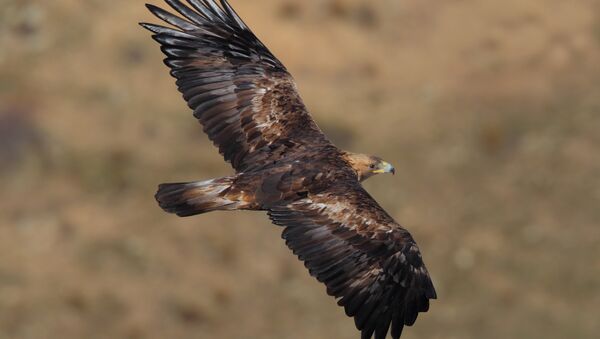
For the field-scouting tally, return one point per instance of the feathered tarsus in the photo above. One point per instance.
(248, 104)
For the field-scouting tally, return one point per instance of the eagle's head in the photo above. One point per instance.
(367, 166)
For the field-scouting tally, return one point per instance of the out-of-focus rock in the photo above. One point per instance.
(19, 136)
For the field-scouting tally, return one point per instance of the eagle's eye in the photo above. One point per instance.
(372, 166)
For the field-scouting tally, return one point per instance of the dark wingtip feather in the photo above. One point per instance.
(383, 326)
(171, 18)
(216, 9)
(233, 15)
(187, 12)
(152, 8)
(151, 27)
(431, 293)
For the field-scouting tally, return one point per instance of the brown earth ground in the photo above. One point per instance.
(490, 111)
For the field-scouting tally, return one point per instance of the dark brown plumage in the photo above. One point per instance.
(249, 107)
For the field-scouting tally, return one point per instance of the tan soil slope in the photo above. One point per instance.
(489, 110)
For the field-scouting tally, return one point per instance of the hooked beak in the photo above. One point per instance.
(385, 168)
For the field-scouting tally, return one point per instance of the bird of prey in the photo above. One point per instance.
(249, 106)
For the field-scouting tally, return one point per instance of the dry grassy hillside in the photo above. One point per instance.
(490, 111)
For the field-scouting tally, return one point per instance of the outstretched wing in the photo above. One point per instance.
(366, 260)
(241, 93)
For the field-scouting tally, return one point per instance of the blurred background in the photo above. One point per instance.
(490, 111)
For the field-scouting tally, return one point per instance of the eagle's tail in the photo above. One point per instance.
(187, 199)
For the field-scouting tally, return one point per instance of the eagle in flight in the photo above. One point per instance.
(249, 106)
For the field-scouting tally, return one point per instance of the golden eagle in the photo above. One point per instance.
(249, 107)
